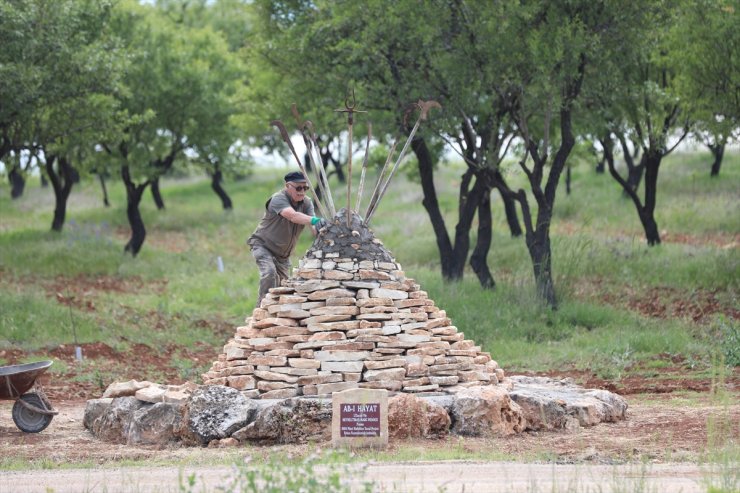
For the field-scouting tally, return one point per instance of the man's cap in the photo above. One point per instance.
(294, 176)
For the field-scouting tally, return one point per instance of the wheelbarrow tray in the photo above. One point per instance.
(16, 380)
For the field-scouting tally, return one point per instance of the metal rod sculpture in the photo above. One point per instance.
(374, 196)
(309, 138)
(349, 108)
(286, 137)
(306, 128)
(319, 159)
(424, 107)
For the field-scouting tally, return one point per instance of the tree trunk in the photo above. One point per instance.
(537, 235)
(646, 211)
(156, 195)
(567, 180)
(106, 202)
(600, 165)
(61, 182)
(461, 241)
(539, 248)
(17, 182)
(634, 172)
(512, 219)
(479, 258)
(647, 214)
(469, 201)
(216, 178)
(718, 151)
(607, 144)
(603, 140)
(431, 204)
(338, 170)
(134, 193)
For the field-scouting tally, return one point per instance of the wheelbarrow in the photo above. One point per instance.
(32, 411)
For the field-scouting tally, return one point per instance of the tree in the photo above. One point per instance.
(394, 54)
(181, 85)
(496, 69)
(707, 42)
(58, 69)
(219, 148)
(650, 107)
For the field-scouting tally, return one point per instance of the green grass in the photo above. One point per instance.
(599, 254)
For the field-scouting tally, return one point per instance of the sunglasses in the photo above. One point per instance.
(300, 188)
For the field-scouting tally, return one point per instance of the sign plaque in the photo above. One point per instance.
(360, 418)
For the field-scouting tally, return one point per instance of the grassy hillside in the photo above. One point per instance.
(624, 307)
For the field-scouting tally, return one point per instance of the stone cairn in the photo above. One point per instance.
(349, 318)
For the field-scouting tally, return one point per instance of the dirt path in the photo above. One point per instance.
(668, 431)
(450, 477)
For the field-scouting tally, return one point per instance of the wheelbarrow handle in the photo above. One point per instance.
(31, 407)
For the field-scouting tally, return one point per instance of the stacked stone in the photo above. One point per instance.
(349, 318)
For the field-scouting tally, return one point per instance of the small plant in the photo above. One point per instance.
(729, 341)
(319, 472)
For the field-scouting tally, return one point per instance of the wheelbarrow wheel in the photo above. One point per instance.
(27, 420)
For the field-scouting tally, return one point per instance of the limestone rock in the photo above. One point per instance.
(550, 404)
(123, 389)
(413, 417)
(297, 420)
(94, 408)
(486, 411)
(155, 424)
(223, 443)
(113, 423)
(216, 411)
(151, 394)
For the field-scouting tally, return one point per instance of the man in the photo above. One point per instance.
(272, 243)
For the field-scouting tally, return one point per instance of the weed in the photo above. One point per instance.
(729, 335)
(320, 472)
(187, 369)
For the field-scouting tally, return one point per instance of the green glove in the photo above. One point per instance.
(314, 220)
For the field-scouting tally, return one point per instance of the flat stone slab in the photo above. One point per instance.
(549, 404)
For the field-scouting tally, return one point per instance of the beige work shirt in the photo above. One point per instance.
(276, 233)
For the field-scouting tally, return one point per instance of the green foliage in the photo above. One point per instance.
(31, 322)
(706, 40)
(185, 78)
(173, 294)
(728, 333)
(319, 472)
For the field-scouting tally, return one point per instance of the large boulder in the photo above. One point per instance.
(94, 409)
(113, 423)
(486, 411)
(155, 424)
(410, 416)
(215, 412)
(296, 420)
(550, 404)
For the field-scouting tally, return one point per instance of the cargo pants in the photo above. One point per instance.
(273, 270)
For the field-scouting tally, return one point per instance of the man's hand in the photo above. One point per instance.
(319, 222)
